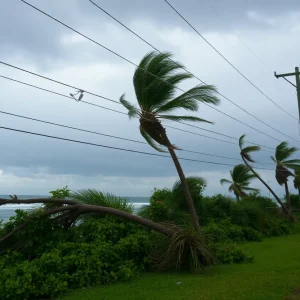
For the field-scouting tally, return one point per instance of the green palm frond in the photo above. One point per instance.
(283, 151)
(155, 76)
(132, 110)
(177, 201)
(189, 100)
(150, 140)
(242, 141)
(222, 181)
(95, 197)
(250, 149)
(251, 189)
(183, 118)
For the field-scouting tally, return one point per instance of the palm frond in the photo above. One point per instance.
(222, 181)
(189, 100)
(196, 184)
(132, 110)
(155, 81)
(283, 151)
(95, 197)
(242, 141)
(150, 140)
(245, 152)
(251, 189)
(183, 118)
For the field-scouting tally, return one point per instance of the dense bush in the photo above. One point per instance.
(295, 201)
(95, 252)
(229, 253)
(224, 231)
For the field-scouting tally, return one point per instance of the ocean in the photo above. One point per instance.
(8, 210)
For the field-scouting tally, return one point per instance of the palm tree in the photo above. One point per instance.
(240, 180)
(246, 156)
(155, 82)
(282, 154)
(297, 181)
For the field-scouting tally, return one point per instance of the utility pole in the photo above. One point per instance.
(297, 86)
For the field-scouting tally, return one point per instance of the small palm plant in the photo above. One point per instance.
(282, 154)
(240, 181)
(155, 82)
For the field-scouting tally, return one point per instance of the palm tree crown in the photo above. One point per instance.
(155, 82)
(283, 163)
(245, 152)
(240, 180)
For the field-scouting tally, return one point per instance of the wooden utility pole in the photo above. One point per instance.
(297, 86)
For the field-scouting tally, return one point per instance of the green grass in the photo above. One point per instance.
(274, 273)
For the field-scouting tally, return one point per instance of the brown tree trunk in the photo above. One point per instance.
(287, 194)
(186, 190)
(237, 198)
(287, 211)
(83, 209)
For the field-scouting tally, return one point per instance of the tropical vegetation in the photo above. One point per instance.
(83, 238)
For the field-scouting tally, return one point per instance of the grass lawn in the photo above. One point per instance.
(274, 273)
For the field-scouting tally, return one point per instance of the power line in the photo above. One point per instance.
(246, 78)
(109, 147)
(120, 56)
(239, 38)
(156, 49)
(104, 134)
(115, 148)
(103, 107)
(62, 95)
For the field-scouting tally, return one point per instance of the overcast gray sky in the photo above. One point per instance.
(30, 40)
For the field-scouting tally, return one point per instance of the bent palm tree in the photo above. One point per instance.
(246, 156)
(240, 180)
(155, 82)
(283, 164)
(297, 181)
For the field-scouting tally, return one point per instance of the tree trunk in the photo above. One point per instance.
(186, 190)
(83, 209)
(287, 211)
(299, 191)
(287, 193)
(237, 198)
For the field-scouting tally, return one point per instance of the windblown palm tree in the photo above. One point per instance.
(246, 156)
(297, 181)
(155, 82)
(240, 180)
(282, 154)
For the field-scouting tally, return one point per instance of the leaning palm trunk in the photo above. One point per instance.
(286, 210)
(185, 187)
(287, 194)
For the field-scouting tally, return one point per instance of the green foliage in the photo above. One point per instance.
(155, 82)
(61, 193)
(225, 231)
(295, 201)
(229, 253)
(95, 197)
(95, 252)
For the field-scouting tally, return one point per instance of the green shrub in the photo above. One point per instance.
(229, 253)
(224, 231)
(295, 201)
(97, 251)
(215, 208)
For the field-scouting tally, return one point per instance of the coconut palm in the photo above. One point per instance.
(155, 82)
(246, 156)
(240, 180)
(282, 154)
(297, 181)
